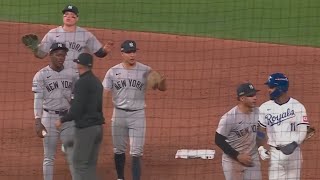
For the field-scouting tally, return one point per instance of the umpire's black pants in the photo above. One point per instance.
(86, 150)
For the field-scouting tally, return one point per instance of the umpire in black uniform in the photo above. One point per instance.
(86, 111)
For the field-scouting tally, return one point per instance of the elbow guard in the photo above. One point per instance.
(100, 53)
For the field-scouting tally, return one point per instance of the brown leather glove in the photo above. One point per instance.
(39, 128)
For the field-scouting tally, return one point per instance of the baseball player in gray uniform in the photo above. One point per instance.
(77, 39)
(236, 136)
(127, 83)
(52, 87)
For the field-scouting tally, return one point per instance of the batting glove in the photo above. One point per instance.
(264, 154)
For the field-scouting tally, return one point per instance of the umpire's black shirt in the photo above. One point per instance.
(86, 107)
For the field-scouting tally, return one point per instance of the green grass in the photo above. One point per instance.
(278, 21)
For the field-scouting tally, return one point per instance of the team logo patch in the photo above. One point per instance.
(305, 119)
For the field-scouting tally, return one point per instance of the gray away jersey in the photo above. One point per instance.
(77, 42)
(240, 130)
(127, 86)
(55, 86)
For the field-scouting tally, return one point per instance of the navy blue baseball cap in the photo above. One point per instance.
(85, 59)
(129, 46)
(57, 46)
(71, 8)
(246, 89)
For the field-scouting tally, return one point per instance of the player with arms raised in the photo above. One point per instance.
(236, 136)
(77, 39)
(284, 120)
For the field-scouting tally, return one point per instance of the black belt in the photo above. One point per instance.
(61, 113)
(128, 110)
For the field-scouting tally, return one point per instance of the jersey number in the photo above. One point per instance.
(293, 126)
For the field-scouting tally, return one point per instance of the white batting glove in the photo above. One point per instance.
(264, 154)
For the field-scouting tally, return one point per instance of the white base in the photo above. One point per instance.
(192, 154)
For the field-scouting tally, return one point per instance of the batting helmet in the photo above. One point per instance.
(278, 81)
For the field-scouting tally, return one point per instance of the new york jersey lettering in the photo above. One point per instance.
(75, 46)
(52, 86)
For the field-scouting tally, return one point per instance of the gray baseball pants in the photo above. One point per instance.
(233, 170)
(50, 142)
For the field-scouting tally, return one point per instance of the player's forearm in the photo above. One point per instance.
(105, 96)
(302, 128)
(38, 53)
(261, 137)
(38, 105)
(101, 53)
(220, 141)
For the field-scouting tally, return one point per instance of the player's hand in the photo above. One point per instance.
(162, 83)
(245, 159)
(30, 41)
(58, 123)
(264, 153)
(40, 129)
(108, 47)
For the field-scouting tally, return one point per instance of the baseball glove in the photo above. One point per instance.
(289, 148)
(310, 132)
(30, 41)
(153, 80)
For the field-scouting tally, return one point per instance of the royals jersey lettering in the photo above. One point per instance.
(77, 42)
(282, 121)
(55, 86)
(127, 86)
(240, 129)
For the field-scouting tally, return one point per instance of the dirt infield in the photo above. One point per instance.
(202, 75)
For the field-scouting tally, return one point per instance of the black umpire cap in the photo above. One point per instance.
(246, 89)
(71, 8)
(85, 59)
(129, 46)
(57, 46)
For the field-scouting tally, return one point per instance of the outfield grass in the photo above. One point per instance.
(278, 21)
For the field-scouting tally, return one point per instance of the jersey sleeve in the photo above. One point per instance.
(262, 120)
(93, 44)
(302, 117)
(225, 126)
(37, 83)
(37, 88)
(46, 42)
(107, 81)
